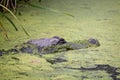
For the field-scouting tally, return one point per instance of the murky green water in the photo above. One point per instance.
(92, 18)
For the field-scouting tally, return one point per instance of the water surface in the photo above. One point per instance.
(92, 19)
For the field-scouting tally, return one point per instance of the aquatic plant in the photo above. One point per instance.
(50, 9)
(2, 14)
(11, 6)
(4, 8)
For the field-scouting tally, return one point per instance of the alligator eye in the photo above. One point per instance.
(62, 40)
(56, 37)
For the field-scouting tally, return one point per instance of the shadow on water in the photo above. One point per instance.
(109, 69)
(56, 60)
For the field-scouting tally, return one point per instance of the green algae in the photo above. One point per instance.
(97, 19)
(19, 66)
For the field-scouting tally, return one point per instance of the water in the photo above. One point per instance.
(92, 19)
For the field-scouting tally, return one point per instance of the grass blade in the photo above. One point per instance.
(9, 11)
(11, 22)
(25, 31)
(4, 31)
(52, 10)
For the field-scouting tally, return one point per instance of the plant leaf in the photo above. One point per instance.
(8, 11)
(52, 10)
(11, 22)
(25, 30)
(4, 31)
(14, 17)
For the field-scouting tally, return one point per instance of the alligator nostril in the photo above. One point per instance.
(92, 41)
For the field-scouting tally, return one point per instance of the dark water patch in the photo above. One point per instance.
(109, 69)
(56, 60)
(23, 73)
(15, 58)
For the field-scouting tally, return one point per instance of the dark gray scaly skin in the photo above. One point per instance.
(51, 45)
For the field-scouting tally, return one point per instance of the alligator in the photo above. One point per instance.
(51, 45)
